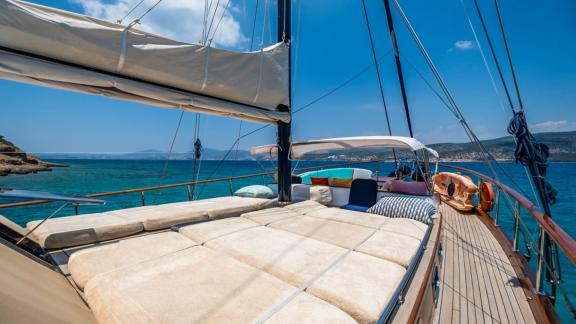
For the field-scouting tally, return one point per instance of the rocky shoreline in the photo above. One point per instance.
(15, 161)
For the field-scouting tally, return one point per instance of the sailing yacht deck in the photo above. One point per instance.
(479, 284)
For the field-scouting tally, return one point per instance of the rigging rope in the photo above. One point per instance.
(254, 26)
(119, 21)
(165, 169)
(219, 21)
(377, 66)
(505, 39)
(494, 57)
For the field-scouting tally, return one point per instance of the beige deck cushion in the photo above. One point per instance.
(349, 216)
(162, 217)
(236, 206)
(306, 206)
(82, 229)
(321, 194)
(196, 285)
(337, 233)
(87, 263)
(391, 246)
(270, 215)
(205, 231)
(406, 226)
(290, 257)
(359, 284)
(306, 308)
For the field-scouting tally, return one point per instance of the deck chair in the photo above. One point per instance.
(363, 195)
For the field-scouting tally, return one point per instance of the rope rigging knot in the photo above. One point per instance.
(530, 150)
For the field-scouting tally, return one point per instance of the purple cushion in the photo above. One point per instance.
(409, 188)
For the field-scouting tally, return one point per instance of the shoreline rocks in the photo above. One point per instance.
(15, 161)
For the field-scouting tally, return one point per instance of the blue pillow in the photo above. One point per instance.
(405, 206)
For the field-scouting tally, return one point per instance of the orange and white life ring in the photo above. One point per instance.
(486, 197)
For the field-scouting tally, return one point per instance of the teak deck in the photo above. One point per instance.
(479, 284)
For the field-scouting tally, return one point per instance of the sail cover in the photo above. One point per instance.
(55, 48)
(332, 145)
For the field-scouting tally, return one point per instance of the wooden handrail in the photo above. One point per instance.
(176, 185)
(556, 233)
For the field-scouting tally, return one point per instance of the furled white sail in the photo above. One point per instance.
(51, 47)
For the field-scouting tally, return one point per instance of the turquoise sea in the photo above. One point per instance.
(93, 176)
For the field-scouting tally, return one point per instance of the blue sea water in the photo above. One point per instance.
(93, 176)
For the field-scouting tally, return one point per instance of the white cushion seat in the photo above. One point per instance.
(337, 233)
(196, 285)
(391, 246)
(270, 215)
(161, 217)
(85, 264)
(290, 257)
(405, 226)
(359, 284)
(349, 217)
(304, 207)
(205, 231)
(306, 308)
(82, 229)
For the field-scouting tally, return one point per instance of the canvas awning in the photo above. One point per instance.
(333, 145)
(55, 48)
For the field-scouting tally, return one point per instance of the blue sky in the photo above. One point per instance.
(331, 46)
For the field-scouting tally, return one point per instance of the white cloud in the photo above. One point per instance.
(176, 19)
(464, 45)
(553, 126)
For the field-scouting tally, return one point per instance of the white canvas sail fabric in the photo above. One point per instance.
(55, 48)
(329, 145)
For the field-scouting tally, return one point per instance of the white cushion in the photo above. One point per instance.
(337, 233)
(205, 231)
(350, 217)
(304, 207)
(196, 285)
(87, 263)
(288, 256)
(306, 308)
(161, 217)
(82, 229)
(359, 284)
(390, 246)
(270, 215)
(408, 227)
(321, 194)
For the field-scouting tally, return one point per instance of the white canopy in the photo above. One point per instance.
(329, 145)
(55, 48)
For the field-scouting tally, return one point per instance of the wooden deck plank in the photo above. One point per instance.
(479, 284)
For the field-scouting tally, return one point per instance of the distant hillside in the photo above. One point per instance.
(15, 161)
(207, 154)
(562, 147)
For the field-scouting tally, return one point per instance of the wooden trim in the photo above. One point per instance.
(556, 233)
(424, 285)
(541, 306)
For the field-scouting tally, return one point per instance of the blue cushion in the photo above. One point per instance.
(355, 207)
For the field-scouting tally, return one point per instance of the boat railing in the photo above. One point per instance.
(188, 185)
(547, 228)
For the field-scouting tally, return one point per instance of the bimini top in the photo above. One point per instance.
(328, 145)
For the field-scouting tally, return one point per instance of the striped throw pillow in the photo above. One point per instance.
(405, 206)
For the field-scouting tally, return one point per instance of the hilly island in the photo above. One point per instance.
(562, 149)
